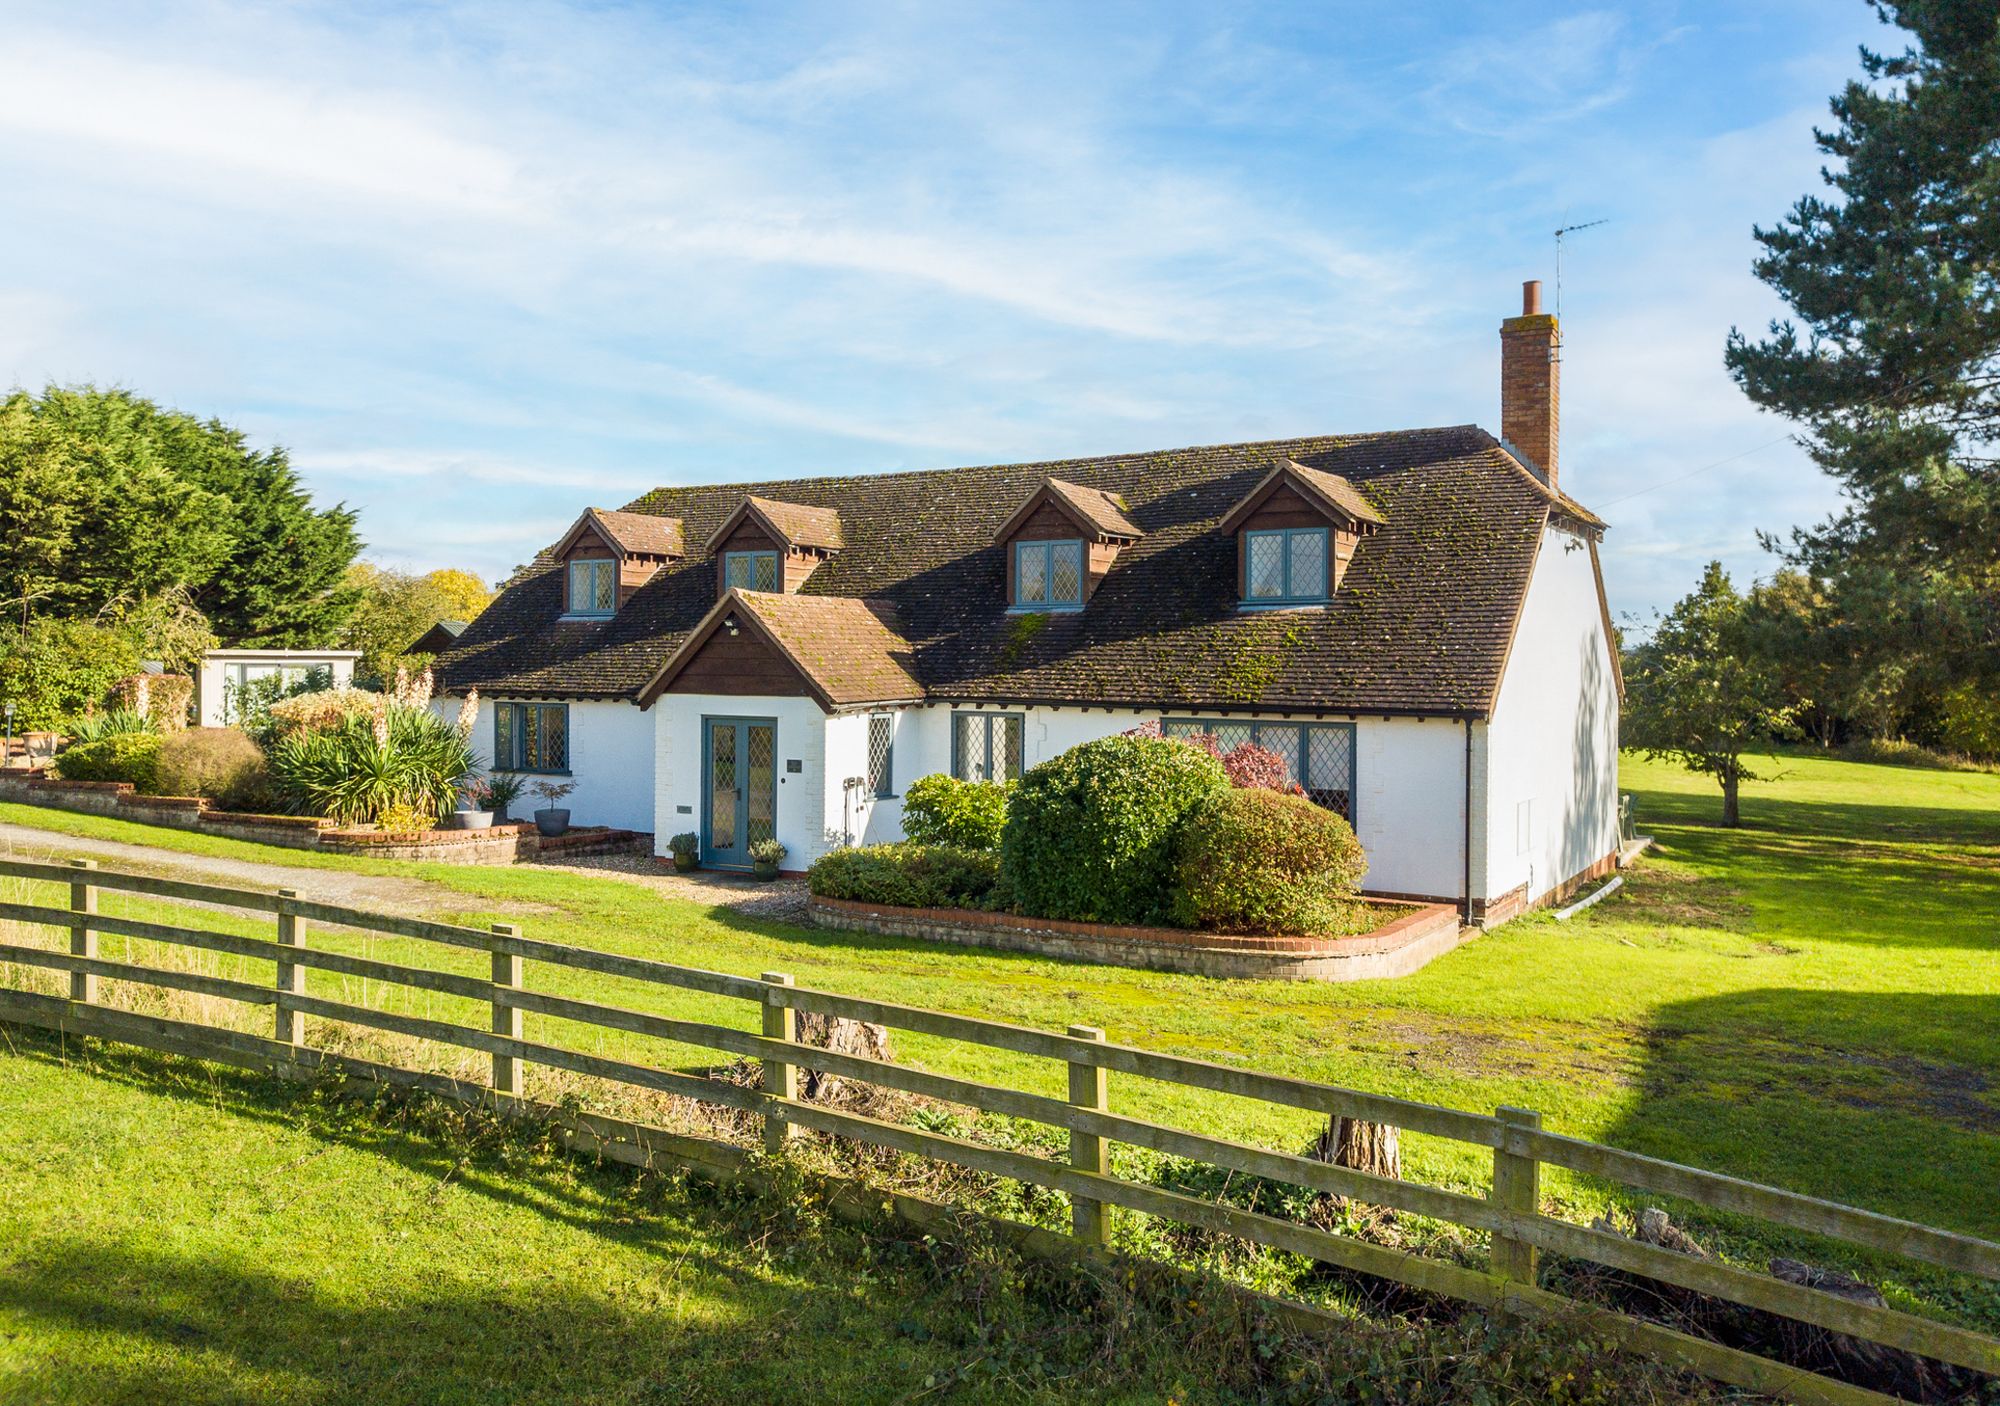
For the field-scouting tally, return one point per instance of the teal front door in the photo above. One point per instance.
(739, 788)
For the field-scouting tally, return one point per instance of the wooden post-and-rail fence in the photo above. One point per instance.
(1510, 1214)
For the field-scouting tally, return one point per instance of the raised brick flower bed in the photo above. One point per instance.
(502, 844)
(1399, 947)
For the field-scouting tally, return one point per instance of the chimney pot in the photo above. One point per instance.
(1531, 297)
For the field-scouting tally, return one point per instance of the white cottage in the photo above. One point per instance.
(1414, 620)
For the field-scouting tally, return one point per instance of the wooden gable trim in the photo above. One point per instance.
(1286, 475)
(1050, 495)
(699, 637)
(748, 509)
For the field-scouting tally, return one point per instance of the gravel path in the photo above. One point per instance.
(784, 900)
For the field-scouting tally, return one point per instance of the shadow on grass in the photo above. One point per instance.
(1885, 1101)
(680, 1322)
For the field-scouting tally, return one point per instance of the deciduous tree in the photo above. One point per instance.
(1699, 692)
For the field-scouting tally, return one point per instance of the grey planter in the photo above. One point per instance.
(469, 820)
(553, 821)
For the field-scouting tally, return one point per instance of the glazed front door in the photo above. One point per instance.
(739, 788)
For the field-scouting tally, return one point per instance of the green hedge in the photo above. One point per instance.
(1264, 862)
(1091, 834)
(908, 875)
(942, 810)
(120, 756)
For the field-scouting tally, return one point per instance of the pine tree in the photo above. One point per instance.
(1891, 361)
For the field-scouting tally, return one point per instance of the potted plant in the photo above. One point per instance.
(503, 788)
(765, 857)
(475, 807)
(686, 848)
(552, 819)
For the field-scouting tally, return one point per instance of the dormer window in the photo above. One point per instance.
(593, 587)
(1061, 544)
(1048, 575)
(1296, 532)
(1285, 566)
(767, 545)
(750, 571)
(606, 556)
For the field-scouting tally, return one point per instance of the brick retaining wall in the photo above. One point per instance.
(1425, 932)
(502, 844)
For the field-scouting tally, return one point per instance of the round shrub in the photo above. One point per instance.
(1090, 835)
(117, 756)
(206, 761)
(942, 810)
(906, 876)
(1265, 862)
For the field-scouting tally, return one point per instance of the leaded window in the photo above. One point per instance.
(881, 754)
(1285, 566)
(986, 746)
(750, 571)
(531, 737)
(593, 586)
(1048, 574)
(1318, 757)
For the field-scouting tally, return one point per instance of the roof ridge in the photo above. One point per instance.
(1023, 465)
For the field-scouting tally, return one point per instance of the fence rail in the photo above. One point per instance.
(1510, 1214)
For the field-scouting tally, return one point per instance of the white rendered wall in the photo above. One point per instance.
(1409, 782)
(610, 761)
(1552, 779)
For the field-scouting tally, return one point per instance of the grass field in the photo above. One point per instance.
(1813, 1000)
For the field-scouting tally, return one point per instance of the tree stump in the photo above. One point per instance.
(1361, 1146)
(842, 1036)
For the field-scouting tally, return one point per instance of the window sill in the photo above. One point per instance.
(530, 771)
(1074, 609)
(1260, 605)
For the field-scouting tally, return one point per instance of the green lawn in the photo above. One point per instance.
(1813, 1000)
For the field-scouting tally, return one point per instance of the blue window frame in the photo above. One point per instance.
(531, 737)
(1286, 566)
(1048, 575)
(593, 587)
(1317, 756)
(987, 746)
(750, 571)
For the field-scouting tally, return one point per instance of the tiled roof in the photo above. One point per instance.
(797, 524)
(850, 651)
(1421, 623)
(646, 533)
(1098, 508)
(1339, 491)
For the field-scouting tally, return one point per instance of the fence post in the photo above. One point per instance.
(82, 938)
(291, 1026)
(1517, 1188)
(781, 1079)
(1088, 1088)
(506, 1015)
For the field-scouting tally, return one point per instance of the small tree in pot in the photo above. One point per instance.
(552, 819)
(686, 848)
(765, 857)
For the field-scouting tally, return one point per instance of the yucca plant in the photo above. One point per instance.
(119, 722)
(396, 759)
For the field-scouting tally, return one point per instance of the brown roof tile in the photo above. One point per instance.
(1421, 623)
(645, 533)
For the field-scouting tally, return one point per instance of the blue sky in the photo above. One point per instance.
(478, 266)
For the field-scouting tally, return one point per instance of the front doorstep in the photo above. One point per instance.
(1428, 931)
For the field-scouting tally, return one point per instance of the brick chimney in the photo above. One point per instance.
(1529, 363)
